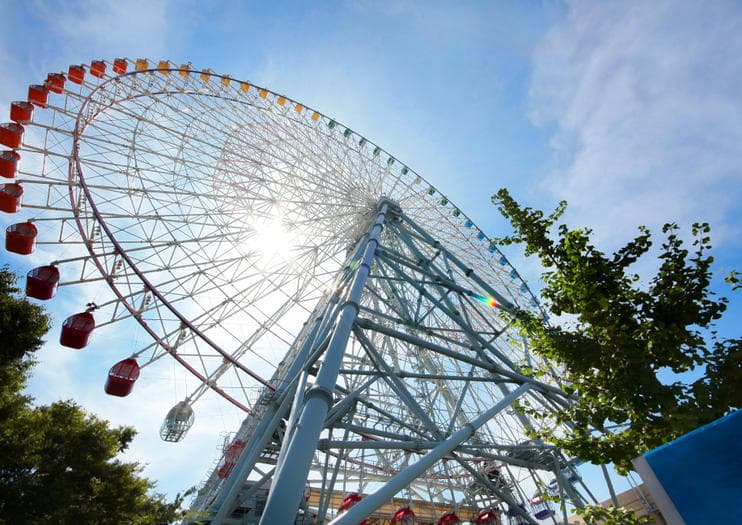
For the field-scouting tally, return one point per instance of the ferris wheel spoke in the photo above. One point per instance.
(206, 151)
(160, 317)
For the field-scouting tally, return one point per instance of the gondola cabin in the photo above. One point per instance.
(10, 197)
(177, 422)
(488, 517)
(21, 238)
(404, 516)
(541, 507)
(350, 500)
(11, 134)
(76, 330)
(76, 74)
(119, 66)
(450, 518)
(21, 111)
(121, 378)
(98, 68)
(55, 82)
(42, 282)
(9, 163)
(38, 95)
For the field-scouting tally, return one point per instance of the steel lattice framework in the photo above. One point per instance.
(308, 277)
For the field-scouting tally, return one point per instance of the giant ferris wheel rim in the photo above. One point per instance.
(80, 173)
(223, 87)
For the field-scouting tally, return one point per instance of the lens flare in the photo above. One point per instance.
(486, 299)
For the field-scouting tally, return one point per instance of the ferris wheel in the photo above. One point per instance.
(359, 318)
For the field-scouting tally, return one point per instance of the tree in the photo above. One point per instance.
(616, 336)
(22, 326)
(57, 463)
(597, 515)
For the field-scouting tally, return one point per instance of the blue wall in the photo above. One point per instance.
(702, 472)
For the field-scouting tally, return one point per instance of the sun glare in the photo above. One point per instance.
(273, 239)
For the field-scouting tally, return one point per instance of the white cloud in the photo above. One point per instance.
(645, 103)
(103, 25)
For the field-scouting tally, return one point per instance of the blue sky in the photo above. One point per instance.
(631, 111)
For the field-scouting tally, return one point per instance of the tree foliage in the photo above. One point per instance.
(621, 339)
(22, 324)
(57, 463)
(597, 515)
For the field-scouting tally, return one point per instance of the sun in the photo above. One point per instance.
(274, 239)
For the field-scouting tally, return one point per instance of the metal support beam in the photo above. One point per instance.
(491, 367)
(263, 433)
(287, 490)
(370, 503)
(273, 412)
(396, 385)
(506, 497)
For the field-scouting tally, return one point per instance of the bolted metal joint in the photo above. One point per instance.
(320, 392)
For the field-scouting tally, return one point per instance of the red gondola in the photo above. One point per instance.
(38, 95)
(21, 238)
(98, 68)
(450, 518)
(11, 134)
(119, 66)
(42, 282)
(9, 163)
(230, 458)
(21, 111)
(55, 82)
(488, 517)
(76, 330)
(350, 500)
(76, 74)
(404, 516)
(121, 377)
(10, 197)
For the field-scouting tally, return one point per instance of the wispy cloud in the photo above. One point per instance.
(645, 104)
(109, 25)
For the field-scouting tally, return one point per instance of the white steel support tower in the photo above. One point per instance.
(400, 382)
